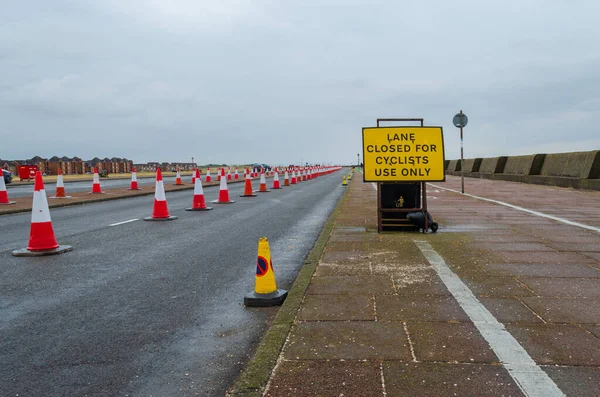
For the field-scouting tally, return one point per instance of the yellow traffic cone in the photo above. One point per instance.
(265, 292)
(349, 176)
(344, 181)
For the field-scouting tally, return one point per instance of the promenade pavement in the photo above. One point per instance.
(499, 302)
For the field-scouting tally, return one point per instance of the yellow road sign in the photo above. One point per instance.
(398, 154)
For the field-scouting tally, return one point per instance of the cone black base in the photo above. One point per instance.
(262, 191)
(223, 202)
(263, 300)
(248, 195)
(55, 251)
(276, 188)
(160, 219)
(9, 203)
(199, 209)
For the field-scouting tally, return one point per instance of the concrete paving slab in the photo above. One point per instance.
(591, 246)
(342, 246)
(355, 340)
(420, 283)
(593, 255)
(576, 381)
(545, 257)
(594, 329)
(343, 269)
(574, 287)
(362, 285)
(542, 270)
(565, 310)
(418, 308)
(337, 308)
(510, 310)
(326, 378)
(557, 344)
(442, 379)
(497, 287)
(511, 246)
(446, 342)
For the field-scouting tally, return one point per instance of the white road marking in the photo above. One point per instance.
(374, 185)
(120, 223)
(532, 212)
(522, 368)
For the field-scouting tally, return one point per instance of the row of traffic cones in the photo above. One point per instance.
(42, 240)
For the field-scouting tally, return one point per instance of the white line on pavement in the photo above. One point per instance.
(120, 223)
(522, 368)
(374, 185)
(532, 212)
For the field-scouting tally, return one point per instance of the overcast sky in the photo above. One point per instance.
(239, 81)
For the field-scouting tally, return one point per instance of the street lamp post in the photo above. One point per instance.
(460, 120)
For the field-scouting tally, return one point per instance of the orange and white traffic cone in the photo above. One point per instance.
(294, 178)
(219, 173)
(134, 182)
(248, 192)
(223, 192)
(276, 184)
(303, 174)
(286, 178)
(178, 178)
(236, 175)
(41, 236)
(60, 186)
(263, 182)
(96, 183)
(265, 289)
(160, 211)
(194, 176)
(228, 173)
(3, 193)
(208, 178)
(198, 203)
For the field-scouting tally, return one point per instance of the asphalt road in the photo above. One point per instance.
(148, 308)
(15, 191)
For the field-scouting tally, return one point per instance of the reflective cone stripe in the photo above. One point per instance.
(223, 192)
(41, 235)
(160, 199)
(134, 182)
(194, 173)
(208, 178)
(265, 278)
(286, 178)
(276, 184)
(178, 178)
(236, 175)
(96, 183)
(60, 186)
(263, 182)
(199, 201)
